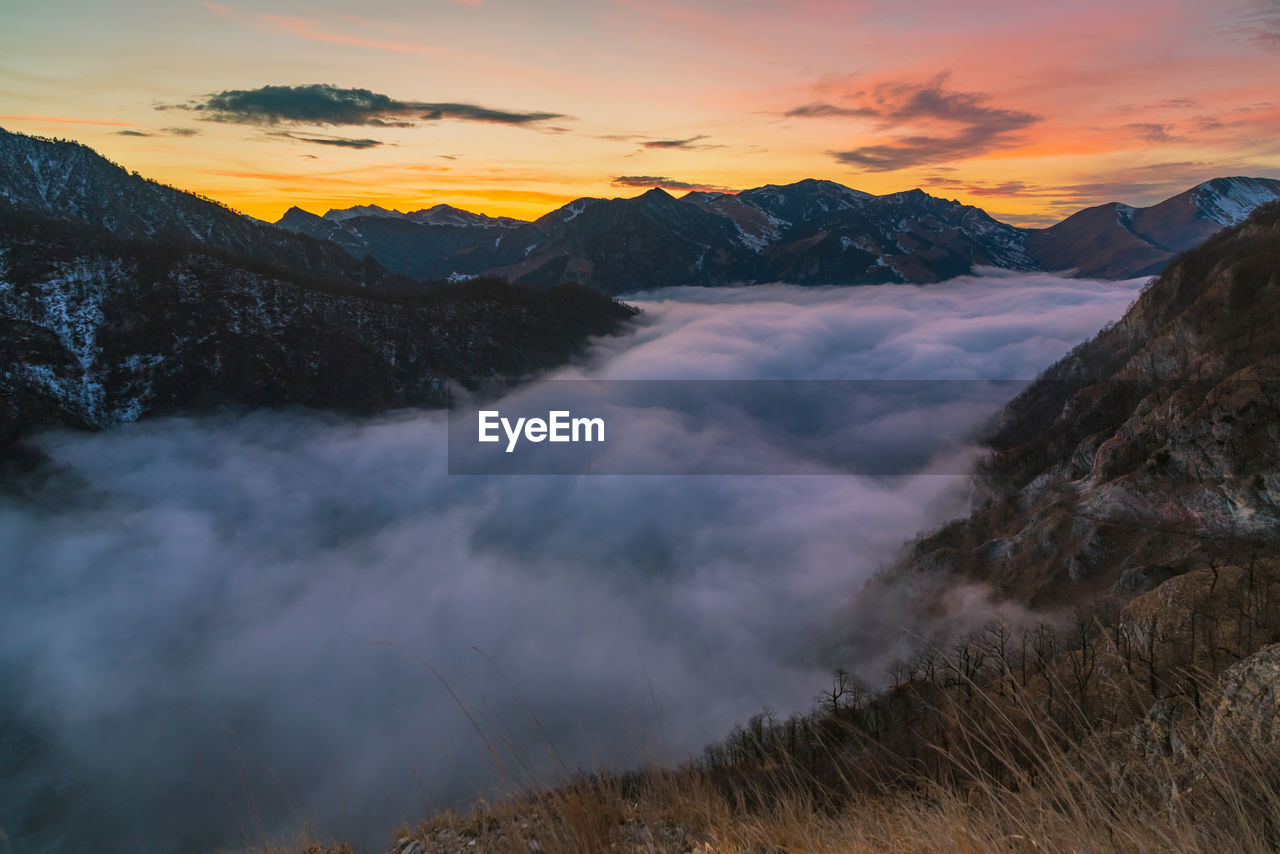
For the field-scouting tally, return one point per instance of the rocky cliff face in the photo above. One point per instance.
(1150, 451)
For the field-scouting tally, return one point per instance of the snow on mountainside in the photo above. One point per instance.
(1230, 201)
(96, 330)
(342, 215)
(1119, 241)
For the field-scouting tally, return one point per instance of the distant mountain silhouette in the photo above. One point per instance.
(809, 232)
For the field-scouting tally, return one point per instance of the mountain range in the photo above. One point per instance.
(809, 232)
(121, 297)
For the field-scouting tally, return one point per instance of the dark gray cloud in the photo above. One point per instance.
(663, 182)
(691, 143)
(338, 141)
(161, 132)
(972, 126)
(323, 104)
(196, 612)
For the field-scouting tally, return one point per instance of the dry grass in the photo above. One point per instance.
(1108, 743)
(1012, 785)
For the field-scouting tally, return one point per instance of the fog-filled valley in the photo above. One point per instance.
(219, 629)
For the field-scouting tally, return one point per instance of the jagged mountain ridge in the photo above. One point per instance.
(70, 181)
(809, 232)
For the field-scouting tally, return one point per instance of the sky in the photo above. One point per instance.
(1029, 110)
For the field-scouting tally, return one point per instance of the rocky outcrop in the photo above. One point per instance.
(1231, 743)
(1149, 451)
(1249, 710)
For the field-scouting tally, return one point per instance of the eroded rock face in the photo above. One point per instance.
(1249, 710)
(1229, 743)
(1154, 445)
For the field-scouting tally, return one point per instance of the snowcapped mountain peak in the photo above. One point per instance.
(1228, 201)
(336, 215)
(449, 215)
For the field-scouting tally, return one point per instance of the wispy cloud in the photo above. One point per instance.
(1259, 22)
(664, 183)
(692, 143)
(160, 132)
(949, 124)
(1007, 188)
(820, 109)
(338, 141)
(648, 143)
(1151, 132)
(323, 104)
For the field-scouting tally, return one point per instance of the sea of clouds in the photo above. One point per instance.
(219, 629)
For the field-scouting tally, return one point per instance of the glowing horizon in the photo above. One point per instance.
(507, 108)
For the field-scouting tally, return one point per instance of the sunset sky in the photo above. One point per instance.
(1028, 109)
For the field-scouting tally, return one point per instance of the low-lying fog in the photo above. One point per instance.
(217, 628)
